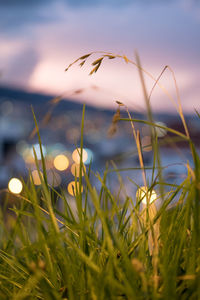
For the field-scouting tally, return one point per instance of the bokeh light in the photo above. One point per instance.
(90, 155)
(76, 155)
(143, 193)
(15, 186)
(75, 170)
(72, 188)
(61, 162)
(25, 151)
(28, 158)
(37, 151)
(36, 177)
(161, 132)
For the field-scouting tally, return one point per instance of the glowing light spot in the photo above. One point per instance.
(15, 186)
(75, 170)
(36, 177)
(76, 155)
(145, 195)
(72, 188)
(37, 151)
(28, 157)
(161, 131)
(90, 156)
(61, 162)
(24, 150)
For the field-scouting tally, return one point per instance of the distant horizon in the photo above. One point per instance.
(112, 109)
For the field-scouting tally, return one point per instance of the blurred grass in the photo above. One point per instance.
(105, 248)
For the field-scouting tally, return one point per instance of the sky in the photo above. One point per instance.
(39, 39)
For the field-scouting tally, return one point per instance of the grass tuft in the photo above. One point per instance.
(106, 248)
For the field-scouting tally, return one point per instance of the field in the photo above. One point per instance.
(105, 248)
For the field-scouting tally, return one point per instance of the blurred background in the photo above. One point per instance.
(39, 39)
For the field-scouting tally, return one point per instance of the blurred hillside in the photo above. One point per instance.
(59, 123)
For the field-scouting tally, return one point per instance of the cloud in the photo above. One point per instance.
(20, 67)
(14, 15)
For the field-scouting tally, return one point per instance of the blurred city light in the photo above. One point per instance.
(25, 151)
(36, 177)
(37, 151)
(75, 170)
(28, 158)
(76, 155)
(61, 162)
(145, 195)
(161, 132)
(90, 156)
(72, 188)
(15, 186)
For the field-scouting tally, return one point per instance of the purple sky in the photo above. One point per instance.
(37, 42)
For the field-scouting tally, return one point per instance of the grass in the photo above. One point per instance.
(105, 248)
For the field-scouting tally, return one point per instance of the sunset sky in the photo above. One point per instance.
(39, 39)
